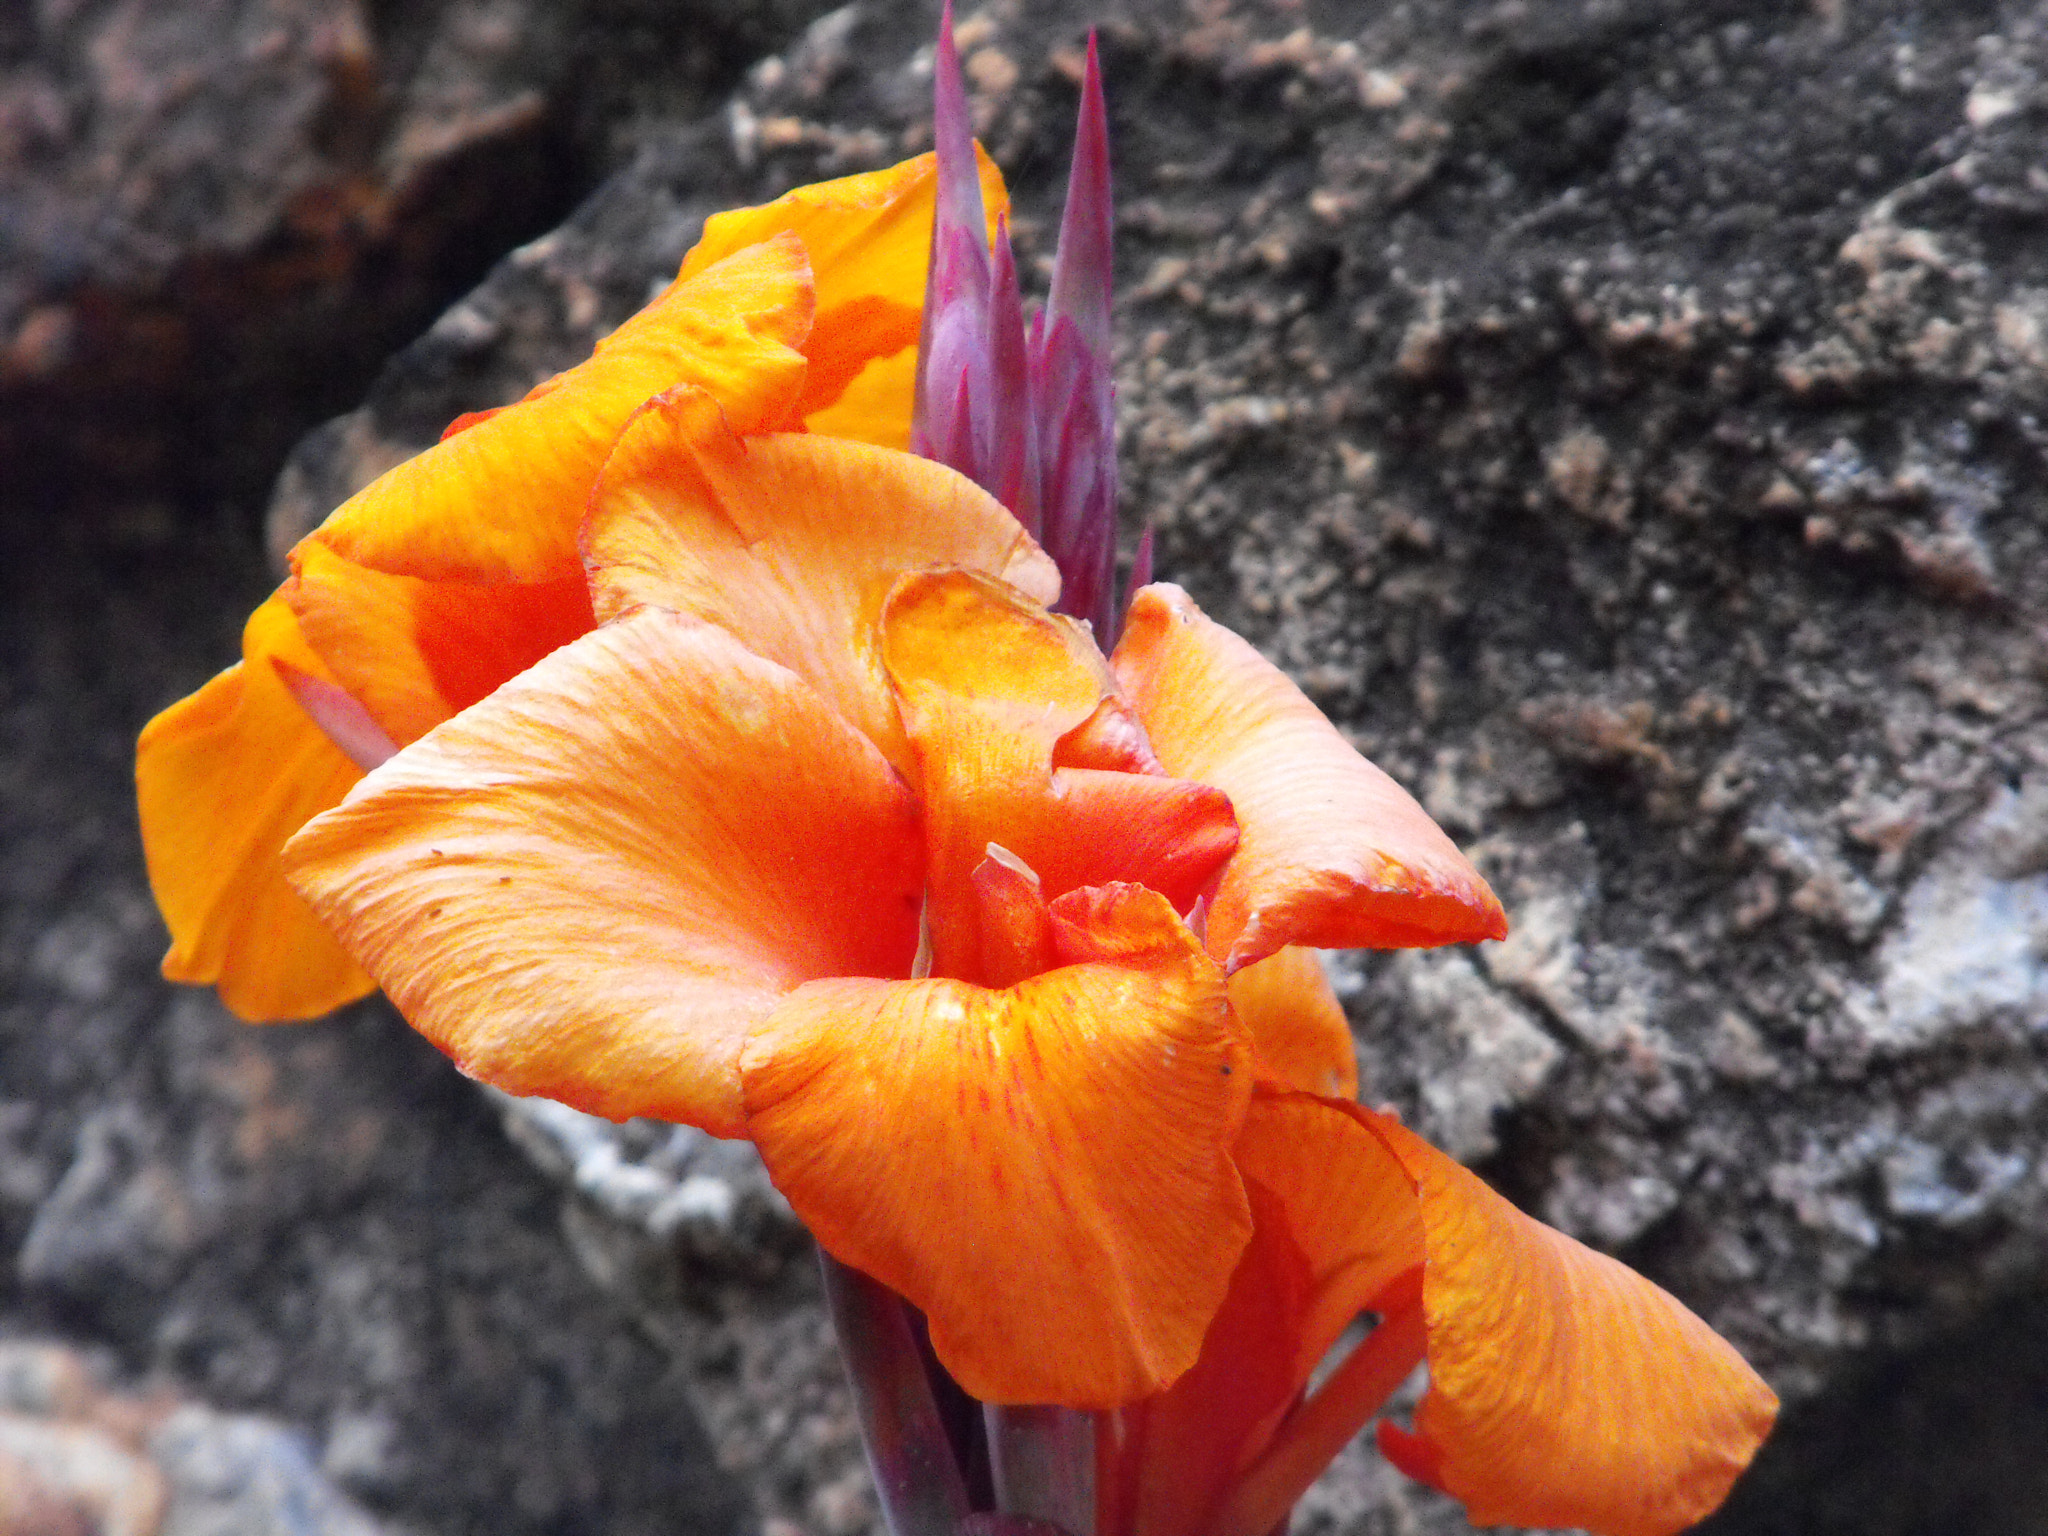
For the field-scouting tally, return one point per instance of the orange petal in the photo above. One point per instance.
(869, 237)
(990, 686)
(502, 500)
(1045, 1170)
(790, 542)
(589, 885)
(223, 778)
(414, 652)
(1565, 1389)
(1337, 1226)
(1298, 1027)
(1182, 1450)
(1334, 853)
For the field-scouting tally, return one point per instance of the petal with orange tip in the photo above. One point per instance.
(869, 237)
(501, 501)
(1298, 1027)
(412, 651)
(1043, 1170)
(222, 778)
(991, 687)
(1334, 853)
(1565, 1389)
(591, 884)
(788, 541)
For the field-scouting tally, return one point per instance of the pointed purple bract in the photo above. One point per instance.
(972, 393)
(1072, 392)
(1031, 419)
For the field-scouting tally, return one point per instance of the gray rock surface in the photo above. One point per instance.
(1624, 419)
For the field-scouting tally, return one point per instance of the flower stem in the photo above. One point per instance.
(1313, 1435)
(1044, 1464)
(916, 1477)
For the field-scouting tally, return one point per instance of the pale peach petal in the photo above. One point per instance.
(1297, 1024)
(1333, 854)
(788, 541)
(591, 884)
(990, 686)
(1565, 1389)
(222, 778)
(502, 500)
(413, 652)
(1044, 1170)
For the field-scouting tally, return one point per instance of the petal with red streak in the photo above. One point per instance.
(1336, 1226)
(1334, 853)
(591, 884)
(413, 651)
(990, 686)
(1565, 1389)
(502, 500)
(222, 778)
(789, 541)
(1043, 1170)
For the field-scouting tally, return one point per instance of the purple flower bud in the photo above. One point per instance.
(1033, 421)
(973, 400)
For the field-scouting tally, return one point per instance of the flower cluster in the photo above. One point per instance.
(672, 742)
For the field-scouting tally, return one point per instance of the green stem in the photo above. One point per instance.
(916, 1478)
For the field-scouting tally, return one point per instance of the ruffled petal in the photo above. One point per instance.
(1298, 1026)
(869, 237)
(222, 778)
(1334, 853)
(1565, 1389)
(502, 500)
(413, 652)
(1043, 1170)
(592, 883)
(788, 541)
(990, 687)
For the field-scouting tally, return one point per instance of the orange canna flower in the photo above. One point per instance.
(682, 867)
(459, 569)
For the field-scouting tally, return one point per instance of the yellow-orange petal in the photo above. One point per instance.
(1298, 1027)
(502, 500)
(1565, 1389)
(1333, 853)
(1043, 1170)
(869, 237)
(222, 778)
(590, 885)
(413, 651)
(989, 686)
(789, 541)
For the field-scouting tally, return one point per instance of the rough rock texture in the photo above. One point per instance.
(217, 217)
(1623, 417)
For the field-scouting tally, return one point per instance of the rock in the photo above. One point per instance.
(219, 216)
